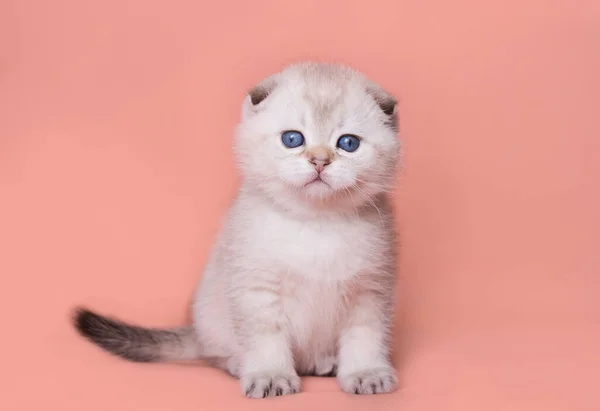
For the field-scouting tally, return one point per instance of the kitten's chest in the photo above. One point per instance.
(314, 312)
(335, 250)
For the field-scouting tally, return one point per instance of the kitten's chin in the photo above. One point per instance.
(323, 195)
(317, 190)
(316, 195)
(314, 198)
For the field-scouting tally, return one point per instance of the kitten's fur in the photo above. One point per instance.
(301, 279)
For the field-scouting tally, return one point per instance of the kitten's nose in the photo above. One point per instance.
(319, 164)
(319, 157)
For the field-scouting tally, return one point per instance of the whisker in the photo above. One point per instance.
(370, 200)
(349, 193)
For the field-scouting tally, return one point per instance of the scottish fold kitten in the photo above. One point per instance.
(302, 275)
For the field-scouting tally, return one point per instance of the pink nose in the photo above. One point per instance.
(319, 157)
(319, 164)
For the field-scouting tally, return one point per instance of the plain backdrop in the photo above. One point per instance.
(116, 120)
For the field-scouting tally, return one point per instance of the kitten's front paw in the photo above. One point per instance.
(270, 384)
(375, 381)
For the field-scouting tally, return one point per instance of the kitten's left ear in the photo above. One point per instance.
(257, 95)
(387, 103)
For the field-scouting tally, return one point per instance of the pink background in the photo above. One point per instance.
(115, 165)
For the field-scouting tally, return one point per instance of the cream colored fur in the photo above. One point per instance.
(302, 275)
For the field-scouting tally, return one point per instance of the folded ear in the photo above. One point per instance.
(387, 103)
(257, 95)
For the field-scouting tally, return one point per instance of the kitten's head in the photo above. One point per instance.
(318, 135)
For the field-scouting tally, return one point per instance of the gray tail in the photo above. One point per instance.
(136, 343)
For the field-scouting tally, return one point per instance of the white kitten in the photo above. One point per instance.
(301, 279)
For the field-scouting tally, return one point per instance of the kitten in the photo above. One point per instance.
(301, 278)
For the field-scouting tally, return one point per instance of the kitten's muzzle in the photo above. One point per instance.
(320, 157)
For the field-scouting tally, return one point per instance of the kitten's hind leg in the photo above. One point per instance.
(230, 365)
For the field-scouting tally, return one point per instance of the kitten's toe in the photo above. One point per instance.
(374, 381)
(270, 384)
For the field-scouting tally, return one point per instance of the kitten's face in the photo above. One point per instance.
(315, 134)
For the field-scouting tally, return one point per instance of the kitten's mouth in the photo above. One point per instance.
(316, 180)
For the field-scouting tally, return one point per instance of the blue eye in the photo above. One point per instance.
(292, 139)
(348, 143)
